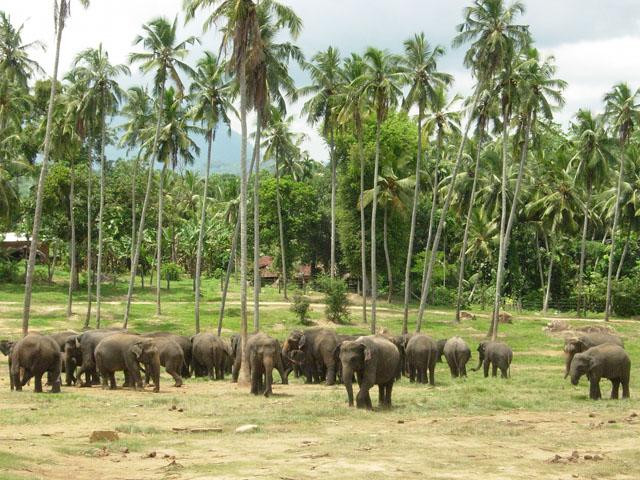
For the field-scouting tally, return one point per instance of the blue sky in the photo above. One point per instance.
(595, 42)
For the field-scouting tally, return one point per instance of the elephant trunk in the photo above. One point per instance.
(347, 378)
(480, 359)
(567, 365)
(268, 375)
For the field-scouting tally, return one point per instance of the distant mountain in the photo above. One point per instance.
(225, 155)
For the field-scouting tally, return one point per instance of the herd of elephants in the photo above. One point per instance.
(319, 354)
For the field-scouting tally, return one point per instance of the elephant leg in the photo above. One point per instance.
(381, 394)
(367, 396)
(625, 388)
(105, 380)
(112, 380)
(389, 390)
(494, 369)
(452, 369)
(463, 370)
(174, 372)
(268, 377)
(432, 378)
(256, 380)
(503, 371)
(361, 398)
(485, 367)
(615, 386)
(331, 374)
(594, 389)
(38, 382)
(412, 373)
(309, 371)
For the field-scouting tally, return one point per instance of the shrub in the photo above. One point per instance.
(8, 271)
(624, 298)
(443, 296)
(171, 272)
(300, 306)
(335, 297)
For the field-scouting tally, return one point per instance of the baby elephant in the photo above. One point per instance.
(602, 361)
(37, 355)
(496, 354)
(457, 353)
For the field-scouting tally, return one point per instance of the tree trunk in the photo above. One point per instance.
(363, 243)
(545, 304)
(37, 216)
(256, 226)
(374, 206)
(624, 254)
(133, 206)
(203, 217)
(145, 204)
(333, 208)
(465, 237)
(72, 249)
(507, 233)
(616, 217)
(281, 230)
(431, 259)
(89, 228)
(539, 258)
(386, 255)
(583, 249)
(159, 238)
(412, 230)
(103, 162)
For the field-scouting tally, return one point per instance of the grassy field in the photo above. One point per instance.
(526, 427)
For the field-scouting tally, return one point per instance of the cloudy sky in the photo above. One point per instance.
(596, 43)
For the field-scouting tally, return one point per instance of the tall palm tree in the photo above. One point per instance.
(353, 107)
(16, 65)
(101, 101)
(60, 13)
(419, 64)
(380, 82)
(164, 57)
(593, 156)
(623, 113)
(327, 81)
(210, 92)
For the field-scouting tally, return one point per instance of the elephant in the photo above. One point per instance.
(36, 354)
(5, 348)
(374, 359)
(85, 345)
(236, 355)
(608, 361)
(318, 344)
(440, 344)
(457, 353)
(584, 342)
(185, 344)
(209, 354)
(263, 353)
(422, 352)
(69, 363)
(399, 341)
(125, 351)
(171, 358)
(496, 354)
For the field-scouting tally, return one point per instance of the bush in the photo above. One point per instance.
(444, 297)
(624, 298)
(300, 306)
(335, 297)
(8, 271)
(171, 272)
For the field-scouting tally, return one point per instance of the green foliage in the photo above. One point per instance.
(8, 270)
(171, 272)
(625, 295)
(443, 296)
(300, 306)
(335, 298)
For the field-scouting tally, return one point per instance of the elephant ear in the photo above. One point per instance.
(336, 353)
(136, 349)
(302, 341)
(78, 341)
(367, 353)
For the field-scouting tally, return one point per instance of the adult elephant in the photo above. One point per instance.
(171, 358)
(584, 342)
(185, 344)
(209, 353)
(422, 352)
(374, 359)
(318, 344)
(36, 354)
(440, 345)
(84, 346)
(608, 361)
(457, 353)
(125, 352)
(497, 355)
(69, 364)
(263, 353)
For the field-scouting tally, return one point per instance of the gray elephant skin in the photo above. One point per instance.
(375, 360)
(125, 352)
(457, 353)
(496, 355)
(584, 342)
(171, 358)
(36, 354)
(263, 353)
(185, 344)
(85, 345)
(608, 361)
(319, 345)
(421, 354)
(209, 354)
(69, 364)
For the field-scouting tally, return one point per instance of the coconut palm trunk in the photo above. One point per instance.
(374, 207)
(133, 206)
(436, 240)
(614, 228)
(583, 249)
(539, 259)
(159, 238)
(624, 254)
(386, 252)
(412, 231)
(547, 294)
(467, 227)
(363, 232)
(334, 182)
(89, 228)
(72, 246)
(100, 215)
(145, 205)
(37, 216)
(256, 226)
(203, 217)
(283, 258)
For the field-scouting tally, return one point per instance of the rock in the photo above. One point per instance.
(181, 410)
(633, 415)
(150, 455)
(592, 414)
(247, 428)
(103, 436)
(597, 457)
(505, 317)
(173, 407)
(612, 421)
(467, 316)
(124, 450)
(400, 421)
(588, 457)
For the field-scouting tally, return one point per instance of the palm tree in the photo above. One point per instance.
(15, 64)
(210, 91)
(327, 81)
(593, 155)
(380, 83)
(163, 56)
(394, 195)
(623, 112)
(419, 65)
(61, 12)
(353, 107)
(101, 100)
